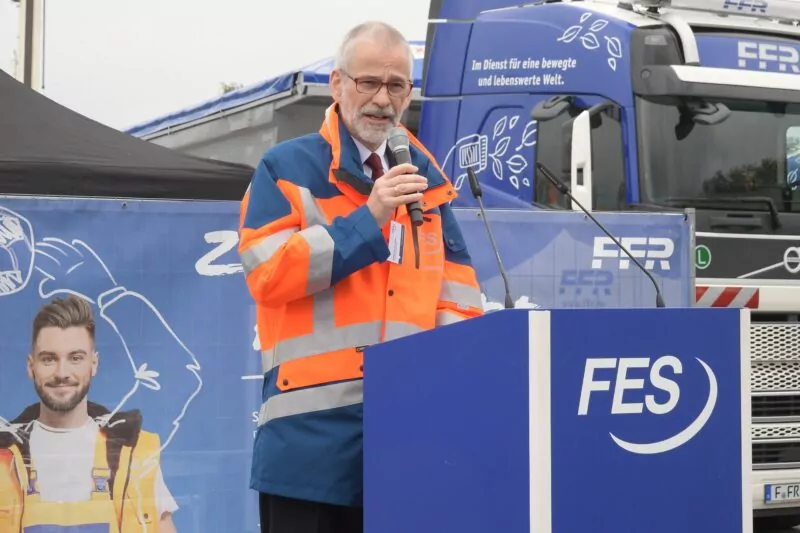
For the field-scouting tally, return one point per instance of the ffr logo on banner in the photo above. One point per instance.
(654, 250)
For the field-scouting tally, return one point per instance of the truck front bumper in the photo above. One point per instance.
(760, 479)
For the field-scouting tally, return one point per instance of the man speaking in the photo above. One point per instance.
(334, 264)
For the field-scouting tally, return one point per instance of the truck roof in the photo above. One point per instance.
(694, 15)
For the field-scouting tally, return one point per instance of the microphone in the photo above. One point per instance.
(563, 189)
(398, 144)
(475, 187)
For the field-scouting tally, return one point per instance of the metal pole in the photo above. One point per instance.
(31, 43)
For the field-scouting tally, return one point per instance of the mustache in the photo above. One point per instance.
(385, 112)
(56, 382)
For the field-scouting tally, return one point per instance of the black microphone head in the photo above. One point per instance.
(474, 184)
(397, 139)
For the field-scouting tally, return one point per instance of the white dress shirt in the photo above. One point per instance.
(365, 152)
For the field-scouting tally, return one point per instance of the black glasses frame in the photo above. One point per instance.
(372, 86)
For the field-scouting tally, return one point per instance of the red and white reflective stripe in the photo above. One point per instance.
(739, 297)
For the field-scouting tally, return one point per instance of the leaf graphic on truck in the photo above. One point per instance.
(570, 34)
(589, 41)
(502, 146)
(516, 164)
(499, 127)
(497, 167)
(614, 48)
(475, 151)
(528, 136)
(590, 38)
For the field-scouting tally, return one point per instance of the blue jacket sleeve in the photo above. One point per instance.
(288, 246)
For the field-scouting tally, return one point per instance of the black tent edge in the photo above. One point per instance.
(47, 149)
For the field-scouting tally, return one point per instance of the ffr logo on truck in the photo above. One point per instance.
(654, 250)
(769, 56)
(752, 6)
(592, 384)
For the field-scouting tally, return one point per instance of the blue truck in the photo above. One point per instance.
(648, 106)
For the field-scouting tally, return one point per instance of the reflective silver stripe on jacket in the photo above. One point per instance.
(312, 400)
(320, 243)
(263, 250)
(461, 295)
(324, 339)
(444, 318)
(396, 330)
(325, 336)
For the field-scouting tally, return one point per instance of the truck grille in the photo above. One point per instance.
(775, 406)
(772, 455)
(775, 387)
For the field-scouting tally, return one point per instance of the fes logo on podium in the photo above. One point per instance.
(593, 384)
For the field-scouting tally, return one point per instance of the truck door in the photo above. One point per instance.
(590, 160)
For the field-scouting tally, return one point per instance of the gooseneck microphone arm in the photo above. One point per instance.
(477, 193)
(563, 189)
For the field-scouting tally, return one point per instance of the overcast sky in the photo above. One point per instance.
(122, 62)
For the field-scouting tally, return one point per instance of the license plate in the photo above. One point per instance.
(785, 492)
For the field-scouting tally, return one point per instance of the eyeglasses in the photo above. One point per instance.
(374, 85)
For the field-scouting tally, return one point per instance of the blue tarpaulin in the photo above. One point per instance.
(315, 74)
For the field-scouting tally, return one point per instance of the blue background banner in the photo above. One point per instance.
(176, 327)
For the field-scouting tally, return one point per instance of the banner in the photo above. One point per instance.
(175, 336)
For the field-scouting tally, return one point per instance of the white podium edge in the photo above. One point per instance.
(539, 437)
(747, 422)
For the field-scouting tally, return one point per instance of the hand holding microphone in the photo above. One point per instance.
(398, 186)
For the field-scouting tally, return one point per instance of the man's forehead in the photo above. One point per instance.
(379, 57)
(64, 338)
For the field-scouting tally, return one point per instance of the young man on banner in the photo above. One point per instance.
(67, 461)
(326, 246)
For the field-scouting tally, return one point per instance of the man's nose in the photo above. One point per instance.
(382, 97)
(62, 370)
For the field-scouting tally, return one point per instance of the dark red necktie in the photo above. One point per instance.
(374, 162)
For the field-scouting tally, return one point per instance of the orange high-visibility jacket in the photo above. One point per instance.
(316, 266)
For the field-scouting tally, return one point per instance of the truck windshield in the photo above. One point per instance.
(754, 154)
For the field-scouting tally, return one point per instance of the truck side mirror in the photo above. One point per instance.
(581, 160)
(552, 107)
(577, 155)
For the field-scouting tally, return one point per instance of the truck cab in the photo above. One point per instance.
(654, 106)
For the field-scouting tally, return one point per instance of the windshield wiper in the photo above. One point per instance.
(721, 203)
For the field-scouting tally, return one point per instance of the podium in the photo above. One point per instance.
(562, 421)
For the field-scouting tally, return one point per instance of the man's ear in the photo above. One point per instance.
(335, 83)
(29, 366)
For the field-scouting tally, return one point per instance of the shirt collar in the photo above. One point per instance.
(365, 152)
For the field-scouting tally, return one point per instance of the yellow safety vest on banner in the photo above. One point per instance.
(132, 509)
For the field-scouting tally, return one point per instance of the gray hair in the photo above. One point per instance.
(376, 29)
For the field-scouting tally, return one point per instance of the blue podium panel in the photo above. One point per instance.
(608, 420)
